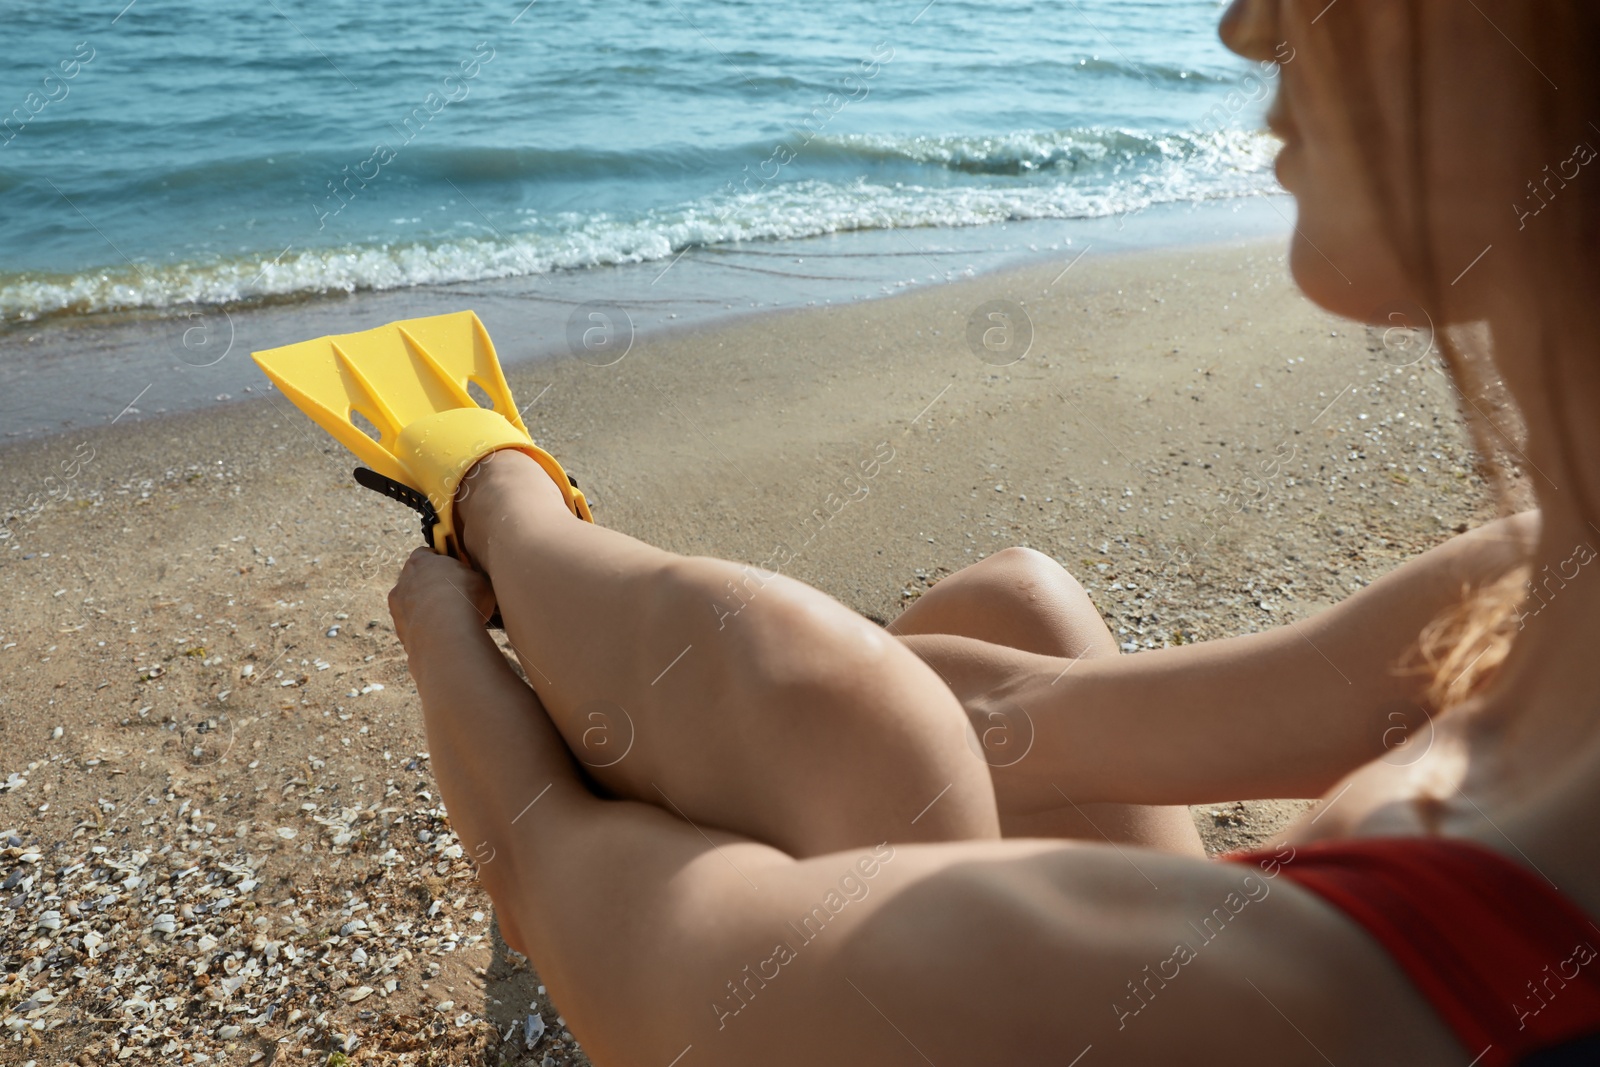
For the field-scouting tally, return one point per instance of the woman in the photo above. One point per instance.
(797, 856)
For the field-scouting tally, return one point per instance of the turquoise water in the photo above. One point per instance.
(183, 151)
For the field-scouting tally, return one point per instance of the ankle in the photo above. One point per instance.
(498, 485)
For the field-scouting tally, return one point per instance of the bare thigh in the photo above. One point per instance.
(1025, 600)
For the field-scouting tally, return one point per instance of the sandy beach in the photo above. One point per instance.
(221, 839)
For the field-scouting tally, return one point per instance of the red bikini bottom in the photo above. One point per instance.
(1509, 963)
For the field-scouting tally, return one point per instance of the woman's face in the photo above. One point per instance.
(1339, 255)
(1348, 166)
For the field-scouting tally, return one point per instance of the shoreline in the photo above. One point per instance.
(67, 373)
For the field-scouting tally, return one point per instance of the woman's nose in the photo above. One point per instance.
(1246, 28)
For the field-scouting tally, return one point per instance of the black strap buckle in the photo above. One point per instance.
(408, 496)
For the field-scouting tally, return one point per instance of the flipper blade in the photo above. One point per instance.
(393, 375)
(310, 375)
(462, 348)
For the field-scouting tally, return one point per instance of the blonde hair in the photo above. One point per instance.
(1460, 652)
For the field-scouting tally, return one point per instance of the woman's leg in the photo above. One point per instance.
(730, 698)
(1023, 599)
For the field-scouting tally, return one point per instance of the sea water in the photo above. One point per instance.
(165, 153)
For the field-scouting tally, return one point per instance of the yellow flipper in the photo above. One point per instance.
(409, 381)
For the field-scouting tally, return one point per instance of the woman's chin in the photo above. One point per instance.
(1286, 165)
(1323, 282)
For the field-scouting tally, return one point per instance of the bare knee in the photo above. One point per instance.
(1016, 577)
(1017, 597)
(1024, 572)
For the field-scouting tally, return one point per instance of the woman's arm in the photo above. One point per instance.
(1282, 713)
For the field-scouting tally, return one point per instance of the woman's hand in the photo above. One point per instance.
(494, 749)
(434, 590)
